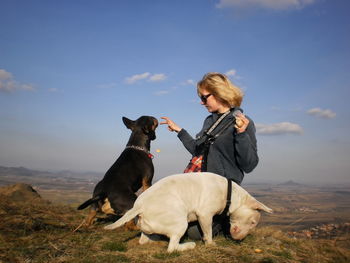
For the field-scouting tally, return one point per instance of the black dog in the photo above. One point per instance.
(115, 194)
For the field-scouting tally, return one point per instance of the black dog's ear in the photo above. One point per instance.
(129, 123)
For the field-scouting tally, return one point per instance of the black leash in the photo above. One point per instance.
(228, 199)
(223, 217)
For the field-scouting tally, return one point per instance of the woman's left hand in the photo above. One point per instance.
(241, 123)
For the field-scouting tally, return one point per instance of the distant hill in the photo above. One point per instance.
(22, 171)
(49, 180)
(17, 171)
(290, 183)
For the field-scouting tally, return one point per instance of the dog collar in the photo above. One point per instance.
(140, 149)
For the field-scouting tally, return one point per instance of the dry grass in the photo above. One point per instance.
(43, 232)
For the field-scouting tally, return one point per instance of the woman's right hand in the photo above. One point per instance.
(172, 126)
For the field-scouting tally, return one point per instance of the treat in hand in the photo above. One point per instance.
(239, 123)
(237, 114)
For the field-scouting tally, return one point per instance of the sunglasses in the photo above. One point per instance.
(204, 98)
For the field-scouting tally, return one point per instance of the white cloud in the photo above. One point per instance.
(144, 76)
(279, 128)
(53, 90)
(267, 4)
(325, 114)
(134, 78)
(4, 75)
(25, 87)
(157, 77)
(190, 82)
(9, 84)
(232, 73)
(161, 92)
(165, 91)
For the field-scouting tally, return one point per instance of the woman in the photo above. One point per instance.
(233, 151)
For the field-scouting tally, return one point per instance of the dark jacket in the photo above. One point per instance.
(231, 155)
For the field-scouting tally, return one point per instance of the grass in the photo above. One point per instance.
(106, 259)
(43, 232)
(115, 246)
(164, 255)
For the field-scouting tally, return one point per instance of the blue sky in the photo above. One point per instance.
(69, 71)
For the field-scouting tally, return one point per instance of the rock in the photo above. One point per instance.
(20, 192)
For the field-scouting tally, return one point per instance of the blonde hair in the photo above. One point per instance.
(222, 88)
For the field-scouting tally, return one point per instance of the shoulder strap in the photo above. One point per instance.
(222, 117)
(228, 124)
(210, 138)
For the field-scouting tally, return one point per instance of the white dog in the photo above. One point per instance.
(167, 206)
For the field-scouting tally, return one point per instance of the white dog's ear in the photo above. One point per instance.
(264, 208)
(255, 204)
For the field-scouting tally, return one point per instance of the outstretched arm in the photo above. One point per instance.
(183, 135)
(172, 126)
